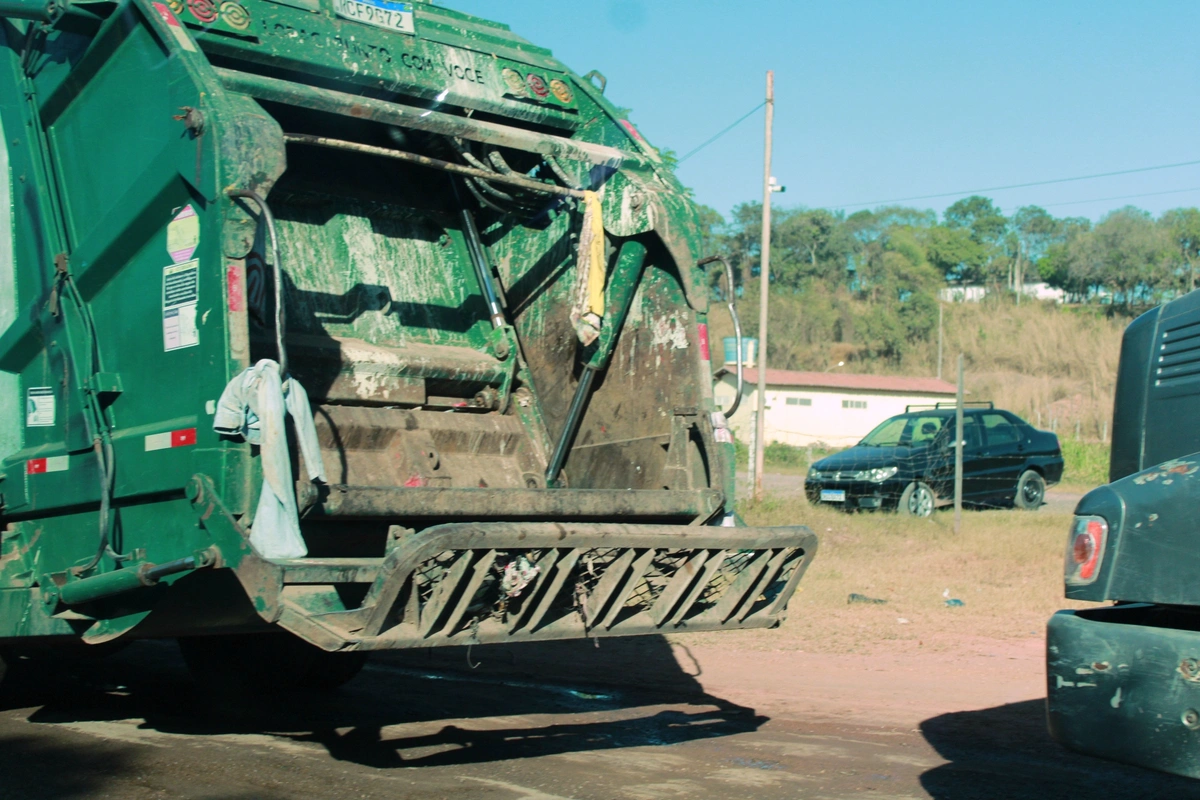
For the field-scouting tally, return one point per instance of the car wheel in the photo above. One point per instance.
(1031, 491)
(917, 501)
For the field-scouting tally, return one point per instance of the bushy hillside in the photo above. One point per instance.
(1053, 365)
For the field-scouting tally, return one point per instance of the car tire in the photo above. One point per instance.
(917, 501)
(1031, 491)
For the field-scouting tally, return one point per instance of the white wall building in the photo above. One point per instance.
(836, 409)
(974, 293)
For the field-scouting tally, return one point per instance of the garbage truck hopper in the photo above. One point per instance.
(365, 320)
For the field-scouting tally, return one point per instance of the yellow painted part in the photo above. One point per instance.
(594, 222)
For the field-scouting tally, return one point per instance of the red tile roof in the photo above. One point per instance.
(845, 380)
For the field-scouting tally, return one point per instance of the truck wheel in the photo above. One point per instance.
(917, 500)
(268, 662)
(1031, 491)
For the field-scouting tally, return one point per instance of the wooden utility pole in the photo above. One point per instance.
(958, 447)
(764, 276)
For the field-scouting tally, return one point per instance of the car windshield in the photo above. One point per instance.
(904, 431)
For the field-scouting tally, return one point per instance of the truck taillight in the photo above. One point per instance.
(1085, 549)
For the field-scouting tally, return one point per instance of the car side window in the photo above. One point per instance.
(926, 429)
(972, 433)
(999, 430)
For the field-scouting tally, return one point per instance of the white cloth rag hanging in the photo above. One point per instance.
(252, 406)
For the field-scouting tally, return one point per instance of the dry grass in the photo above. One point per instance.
(1006, 567)
(1049, 364)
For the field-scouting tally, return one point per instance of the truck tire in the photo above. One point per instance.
(1031, 491)
(917, 501)
(264, 663)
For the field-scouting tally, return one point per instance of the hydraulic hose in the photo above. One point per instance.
(280, 315)
(621, 288)
(737, 329)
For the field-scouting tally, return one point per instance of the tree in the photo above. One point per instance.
(1183, 226)
(811, 244)
(1125, 253)
(955, 253)
(1032, 231)
(987, 227)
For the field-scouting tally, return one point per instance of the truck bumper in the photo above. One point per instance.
(1120, 688)
(475, 583)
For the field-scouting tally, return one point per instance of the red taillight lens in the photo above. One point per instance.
(1086, 549)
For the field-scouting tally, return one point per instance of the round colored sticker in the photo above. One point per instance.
(537, 85)
(235, 15)
(516, 84)
(183, 234)
(203, 10)
(561, 91)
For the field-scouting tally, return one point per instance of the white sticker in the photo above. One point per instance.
(183, 234)
(380, 13)
(39, 407)
(180, 296)
(158, 441)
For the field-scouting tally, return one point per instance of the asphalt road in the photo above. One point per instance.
(570, 720)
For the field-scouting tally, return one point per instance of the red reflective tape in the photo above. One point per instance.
(628, 126)
(235, 279)
(38, 466)
(183, 438)
(703, 331)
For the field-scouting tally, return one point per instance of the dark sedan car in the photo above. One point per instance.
(907, 463)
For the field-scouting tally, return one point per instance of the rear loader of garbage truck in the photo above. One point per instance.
(366, 322)
(1124, 678)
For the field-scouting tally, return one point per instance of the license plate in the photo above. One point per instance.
(833, 495)
(380, 13)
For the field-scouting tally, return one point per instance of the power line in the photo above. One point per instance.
(1018, 185)
(739, 121)
(1122, 197)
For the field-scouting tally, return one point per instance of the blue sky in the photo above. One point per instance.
(882, 100)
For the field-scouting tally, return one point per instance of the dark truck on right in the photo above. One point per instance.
(1124, 679)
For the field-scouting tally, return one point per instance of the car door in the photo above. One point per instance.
(1003, 455)
(941, 471)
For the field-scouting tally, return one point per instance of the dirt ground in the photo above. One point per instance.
(641, 718)
(952, 708)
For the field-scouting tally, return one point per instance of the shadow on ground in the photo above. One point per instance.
(420, 708)
(1005, 753)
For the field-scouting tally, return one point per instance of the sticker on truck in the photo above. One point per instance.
(180, 297)
(380, 13)
(175, 28)
(183, 234)
(39, 407)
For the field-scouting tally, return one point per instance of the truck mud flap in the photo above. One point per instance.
(1122, 684)
(505, 582)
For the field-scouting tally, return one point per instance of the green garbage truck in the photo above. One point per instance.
(1124, 677)
(332, 326)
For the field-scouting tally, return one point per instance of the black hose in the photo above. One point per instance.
(280, 316)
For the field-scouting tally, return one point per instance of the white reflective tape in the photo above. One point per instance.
(56, 464)
(158, 441)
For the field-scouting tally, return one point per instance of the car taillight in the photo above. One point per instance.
(1085, 549)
